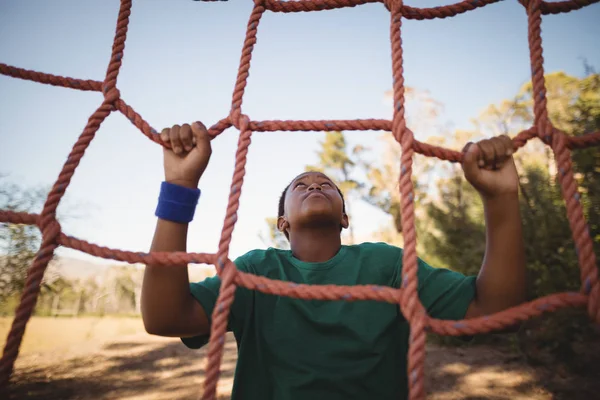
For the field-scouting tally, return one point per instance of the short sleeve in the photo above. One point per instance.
(206, 293)
(445, 294)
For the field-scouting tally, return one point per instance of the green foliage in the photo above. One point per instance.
(382, 189)
(18, 247)
(574, 106)
(583, 118)
(552, 265)
(458, 234)
(335, 160)
(18, 243)
(383, 192)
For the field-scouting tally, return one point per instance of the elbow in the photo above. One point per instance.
(154, 328)
(154, 325)
(161, 329)
(478, 310)
(169, 326)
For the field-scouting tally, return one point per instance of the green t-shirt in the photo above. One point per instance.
(292, 349)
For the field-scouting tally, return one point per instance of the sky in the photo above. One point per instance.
(180, 64)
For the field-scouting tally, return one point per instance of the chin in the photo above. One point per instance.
(317, 215)
(317, 209)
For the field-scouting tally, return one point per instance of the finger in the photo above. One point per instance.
(185, 135)
(508, 145)
(200, 132)
(499, 152)
(164, 135)
(487, 156)
(175, 141)
(471, 156)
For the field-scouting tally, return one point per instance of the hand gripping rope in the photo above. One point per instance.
(406, 297)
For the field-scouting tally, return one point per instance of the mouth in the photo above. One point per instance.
(315, 193)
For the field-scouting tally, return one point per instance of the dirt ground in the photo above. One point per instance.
(141, 367)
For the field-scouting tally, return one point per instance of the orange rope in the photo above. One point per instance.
(406, 296)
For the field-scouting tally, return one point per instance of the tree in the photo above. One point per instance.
(18, 243)
(382, 189)
(573, 107)
(126, 282)
(457, 240)
(338, 162)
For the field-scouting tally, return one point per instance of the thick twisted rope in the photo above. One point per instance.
(406, 296)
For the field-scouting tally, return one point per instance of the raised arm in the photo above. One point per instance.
(490, 168)
(168, 308)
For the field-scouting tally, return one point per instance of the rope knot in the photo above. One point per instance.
(225, 267)
(234, 117)
(244, 123)
(51, 230)
(239, 120)
(112, 95)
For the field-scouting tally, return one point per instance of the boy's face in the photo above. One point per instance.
(312, 200)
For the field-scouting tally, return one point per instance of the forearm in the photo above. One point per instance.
(501, 283)
(166, 298)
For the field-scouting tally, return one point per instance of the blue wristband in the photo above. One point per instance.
(177, 203)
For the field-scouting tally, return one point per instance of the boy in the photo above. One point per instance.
(312, 350)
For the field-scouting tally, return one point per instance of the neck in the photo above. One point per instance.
(316, 244)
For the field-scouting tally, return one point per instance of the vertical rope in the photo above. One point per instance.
(409, 302)
(50, 230)
(225, 268)
(562, 155)
(48, 224)
(406, 296)
(534, 20)
(112, 72)
(243, 71)
(220, 318)
(581, 235)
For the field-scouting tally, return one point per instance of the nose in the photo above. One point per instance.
(314, 186)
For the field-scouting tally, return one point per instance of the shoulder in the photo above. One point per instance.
(260, 260)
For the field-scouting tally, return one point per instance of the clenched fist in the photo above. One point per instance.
(188, 157)
(489, 166)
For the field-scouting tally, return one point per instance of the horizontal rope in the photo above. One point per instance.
(387, 294)
(406, 297)
(54, 80)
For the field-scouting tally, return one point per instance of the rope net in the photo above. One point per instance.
(406, 296)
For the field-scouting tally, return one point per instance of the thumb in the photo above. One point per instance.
(470, 164)
(200, 132)
(200, 154)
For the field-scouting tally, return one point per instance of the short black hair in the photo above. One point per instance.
(281, 210)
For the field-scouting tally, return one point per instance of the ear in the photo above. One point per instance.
(282, 224)
(345, 222)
